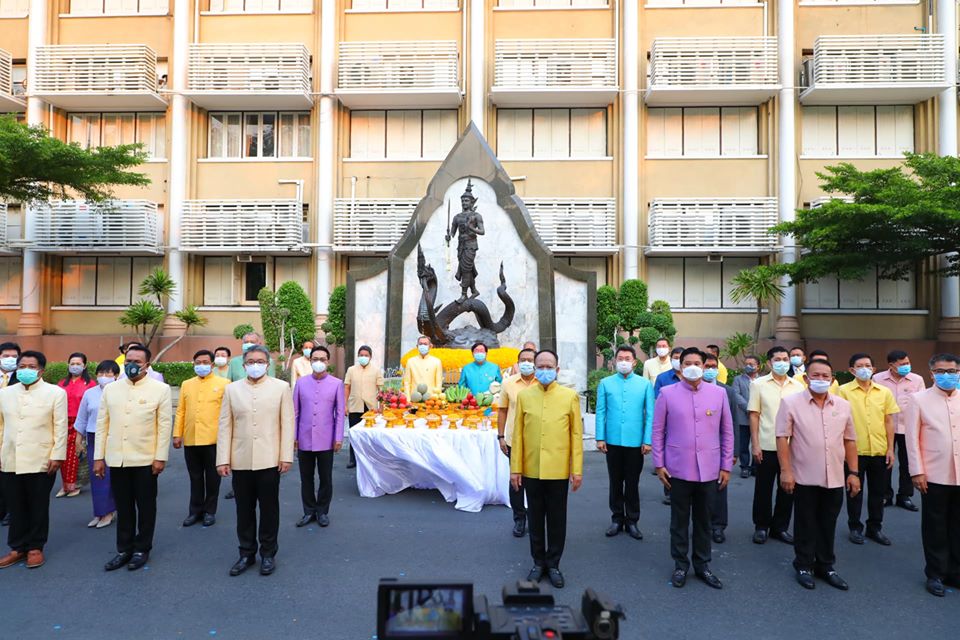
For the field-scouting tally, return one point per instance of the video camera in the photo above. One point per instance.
(427, 610)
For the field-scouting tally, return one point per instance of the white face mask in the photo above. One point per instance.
(424, 349)
(663, 351)
(307, 351)
(693, 372)
(624, 367)
(104, 380)
(318, 366)
(820, 386)
(220, 361)
(675, 363)
(255, 370)
(863, 373)
(8, 364)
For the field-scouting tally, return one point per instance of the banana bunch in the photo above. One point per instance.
(456, 394)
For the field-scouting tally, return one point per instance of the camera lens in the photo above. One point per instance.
(603, 629)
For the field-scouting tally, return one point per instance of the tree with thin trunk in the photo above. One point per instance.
(760, 284)
(147, 315)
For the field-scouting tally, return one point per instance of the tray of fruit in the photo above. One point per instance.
(392, 400)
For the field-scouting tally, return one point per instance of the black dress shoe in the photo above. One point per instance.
(935, 587)
(519, 528)
(634, 532)
(745, 472)
(613, 529)
(679, 578)
(556, 578)
(209, 519)
(833, 579)
(305, 520)
(719, 536)
(888, 502)
(323, 520)
(5, 521)
(760, 536)
(191, 520)
(138, 561)
(229, 495)
(856, 537)
(267, 566)
(879, 538)
(907, 503)
(709, 579)
(118, 561)
(536, 574)
(805, 579)
(241, 565)
(782, 536)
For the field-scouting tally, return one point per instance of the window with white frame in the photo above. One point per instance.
(695, 282)
(551, 133)
(705, 132)
(118, 7)
(551, 4)
(270, 134)
(700, 3)
(261, 6)
(228, 283)
(402, 134)
(14, 7)
(857, 131)
(404, 5)
(869, 293)
(103, 281)
(11, 270)
(91, 130)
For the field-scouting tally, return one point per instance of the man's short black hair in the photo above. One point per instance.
(692, 351)
(626, 349)
(775, 350)
(479, 344)
(753, 357)
(676, 351)
(819, 361)
(227, 349)
(800, 349)
(365, 348)
(523, 351)
(203, 352)
(141, 348)
(551, 352)
(944, 357)
(818, 353)
(858, 356)
(709, 357)
(108, 366)
(320, 347)
(714, 347)
(10, 346)
(663, 339)
(41, 359)
(896, 354)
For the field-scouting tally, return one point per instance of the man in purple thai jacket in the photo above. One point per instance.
(318, 404)
(693, 454)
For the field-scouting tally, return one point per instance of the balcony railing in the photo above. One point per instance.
(566, 225)
(877, 69)
(249, 76)
(543, 73)
(8, 101)
(242, 226)
(4, 247)
(117, 226)
(379, 75)
(98, 77)
(679, 226)
(712, 71)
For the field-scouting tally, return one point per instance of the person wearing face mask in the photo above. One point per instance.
(714, 350)
(300, 365)
(815, 435)
(255, 442)
(670, 377)
(766, 392)
(134, 424)
(934, 451)
(361, 385)
(527, 346)
(718, 512)
(624, 429)
(237, 370)
(33, 445)
(506, 417)
(798, 362)
(76, 383)
(104, 507)
(873, 407)
(478, 375)
(423, 368)
(902, 383)
(195, 430)
(151, 373)
(546, 454)
(221, 362)
(660, 363)
(741, 417)
(9, 354)
(693, 455)
(318, 404)
(820, 354)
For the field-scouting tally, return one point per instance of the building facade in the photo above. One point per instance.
(291, 140)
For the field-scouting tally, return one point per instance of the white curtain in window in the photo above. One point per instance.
(515, 133)
(368, 137)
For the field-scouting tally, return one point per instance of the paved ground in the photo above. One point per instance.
(326, 579)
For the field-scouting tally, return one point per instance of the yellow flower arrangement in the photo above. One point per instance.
(455, 359)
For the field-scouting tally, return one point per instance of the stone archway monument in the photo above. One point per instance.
(471, 267)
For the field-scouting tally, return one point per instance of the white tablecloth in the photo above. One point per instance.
(465, 465)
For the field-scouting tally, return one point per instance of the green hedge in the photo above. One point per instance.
(174, 373)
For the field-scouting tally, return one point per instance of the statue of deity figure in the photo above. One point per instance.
(468, 224)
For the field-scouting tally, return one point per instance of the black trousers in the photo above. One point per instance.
(517, 503)
(624, 466)
(691, 498)
(316, 498)
(3, 500)
(718, 510)
(940, 530)
(743, 447)
(873, 482)
(905, 483)
(257, 488)
(547, 519)
(204, 480)
(814, 526)
(135, 492)
(353, 419)
(28, 502)
(765, 514)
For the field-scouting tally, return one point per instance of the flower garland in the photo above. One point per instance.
(456, 359)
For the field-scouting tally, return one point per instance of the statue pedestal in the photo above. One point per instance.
(788, 329)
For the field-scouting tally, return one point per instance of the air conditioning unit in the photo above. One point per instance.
(714, 257)
(244, 257)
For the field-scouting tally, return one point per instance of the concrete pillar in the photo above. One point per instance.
(477, 88)
(326, 160)
(949, 329)
(630, 201)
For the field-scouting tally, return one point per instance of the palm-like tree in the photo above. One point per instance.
(760, 284)
(148, 314)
